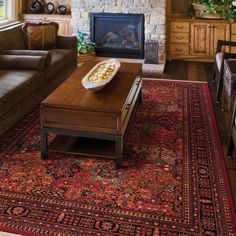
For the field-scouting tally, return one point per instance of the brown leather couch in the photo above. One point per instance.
(28, 76)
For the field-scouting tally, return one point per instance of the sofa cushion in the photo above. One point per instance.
(40, 36)
(17, 84)
(45, 54)
(22, 62)
(12, 38)
(60, 58)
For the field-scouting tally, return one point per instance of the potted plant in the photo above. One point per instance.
(84, 46)
(215, 9)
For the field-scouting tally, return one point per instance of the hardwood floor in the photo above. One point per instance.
(199, 71)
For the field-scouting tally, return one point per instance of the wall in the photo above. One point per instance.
(154, 11)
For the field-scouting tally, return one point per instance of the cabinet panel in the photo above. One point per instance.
(233, 28)
(179, 49)
(64, 24)
(233, 38)
(218, 31)
(200, 33)
(179, 37)
(179, 27)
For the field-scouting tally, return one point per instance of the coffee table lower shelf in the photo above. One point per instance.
(83, 146)
(83, 143)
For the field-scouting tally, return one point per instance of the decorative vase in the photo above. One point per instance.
(62, 10)
(198, 8)
(49, 8)
(36, 7)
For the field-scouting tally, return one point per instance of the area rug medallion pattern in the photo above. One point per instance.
(173, 181)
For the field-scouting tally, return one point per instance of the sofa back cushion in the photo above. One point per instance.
(12, 38)
(40, 36)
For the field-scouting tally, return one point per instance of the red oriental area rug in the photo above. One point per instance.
(173, 182)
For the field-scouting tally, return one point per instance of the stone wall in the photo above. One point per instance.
(154, 11)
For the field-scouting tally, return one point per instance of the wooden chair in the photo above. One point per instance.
(218, 69)
(232, 139)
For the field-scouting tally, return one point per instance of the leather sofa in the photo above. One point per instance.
(28, 76)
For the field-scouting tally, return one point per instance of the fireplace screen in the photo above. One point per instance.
(118, 35)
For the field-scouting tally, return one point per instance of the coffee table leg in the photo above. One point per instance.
(119, 151)
(44, 143)
(140, 97)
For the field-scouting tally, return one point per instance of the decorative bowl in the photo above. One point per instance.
(198, 8)
(100, 75)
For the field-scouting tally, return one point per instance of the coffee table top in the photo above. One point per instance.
(72, 95)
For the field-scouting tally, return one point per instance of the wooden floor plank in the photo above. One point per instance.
(192, 71)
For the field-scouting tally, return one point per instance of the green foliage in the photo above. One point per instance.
(84, 45)
(223, 7)
(1, 12)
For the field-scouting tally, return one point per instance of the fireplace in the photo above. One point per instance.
(118, 34)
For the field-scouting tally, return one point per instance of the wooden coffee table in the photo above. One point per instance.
(73, 111)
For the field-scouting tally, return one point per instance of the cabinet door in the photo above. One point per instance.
(200, 34)
(233, 37)
(64, 23)
(64, 28)
(218, 31)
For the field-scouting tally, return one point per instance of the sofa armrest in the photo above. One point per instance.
(67, 42)
(19, 62)
(46, 54)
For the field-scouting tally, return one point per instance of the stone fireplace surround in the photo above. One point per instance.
(154, 11)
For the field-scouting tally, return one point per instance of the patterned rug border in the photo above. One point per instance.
(216, 130)
(223, 164)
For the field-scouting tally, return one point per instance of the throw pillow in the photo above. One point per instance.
(41, 36)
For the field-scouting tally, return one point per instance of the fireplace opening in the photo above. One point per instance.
(118, 34)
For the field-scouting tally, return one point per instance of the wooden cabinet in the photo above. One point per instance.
(233, 36)
(191, 38)
(64, 21)
(200, 39)
(179, 38)
(204, 37)
(218, 31)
